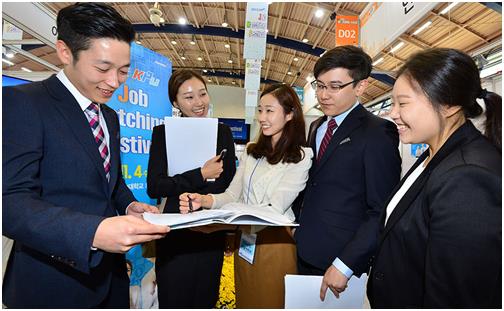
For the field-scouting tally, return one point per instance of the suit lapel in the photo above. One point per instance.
(351, 122)
(76, 121)
(408, 197)
(464, 134)
(312, 135)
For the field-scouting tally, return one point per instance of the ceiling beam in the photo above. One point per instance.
(235, 11)
(272, 52)
(23, 42)
(33, 58)
(193, 15)
(414, 41)
(226, 32)
(459, 25)
(279, 19)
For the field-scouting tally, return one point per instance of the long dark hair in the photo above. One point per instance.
(450, 77)
(288, 149)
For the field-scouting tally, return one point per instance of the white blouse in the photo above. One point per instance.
(404, 188)
(259, 183)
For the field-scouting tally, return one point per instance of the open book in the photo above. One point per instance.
(232, 213)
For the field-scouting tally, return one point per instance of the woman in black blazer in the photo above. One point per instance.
(189, 263)
(440, 243)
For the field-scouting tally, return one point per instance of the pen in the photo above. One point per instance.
(190, 204)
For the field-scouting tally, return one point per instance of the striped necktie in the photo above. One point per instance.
(327, 138)
(93, 116)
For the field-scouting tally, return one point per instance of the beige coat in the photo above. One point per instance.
(261, 184)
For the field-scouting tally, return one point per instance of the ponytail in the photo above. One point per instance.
(493, 124)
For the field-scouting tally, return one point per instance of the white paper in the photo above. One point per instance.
(232, 213)
(303, 292)
(190, 142)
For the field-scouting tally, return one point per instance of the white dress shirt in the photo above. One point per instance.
(84, 102)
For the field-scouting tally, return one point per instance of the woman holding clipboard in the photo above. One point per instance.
(189, 263)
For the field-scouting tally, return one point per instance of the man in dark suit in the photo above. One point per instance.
(62, 183)
(357, 165)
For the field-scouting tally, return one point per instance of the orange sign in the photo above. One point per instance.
(347, 30)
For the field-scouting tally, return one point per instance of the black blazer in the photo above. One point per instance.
(55, 194)
(159, 184)
(441, 246)
(346, 191)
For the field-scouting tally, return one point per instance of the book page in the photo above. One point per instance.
(173, 219)
(263, 215)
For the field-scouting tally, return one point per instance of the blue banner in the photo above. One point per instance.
(300, 93)
(141, 103)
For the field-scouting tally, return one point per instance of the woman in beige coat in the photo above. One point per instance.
(271, 174)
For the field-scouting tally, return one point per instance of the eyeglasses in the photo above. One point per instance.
(332, 88)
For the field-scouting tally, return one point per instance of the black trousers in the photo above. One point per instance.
(188, 269)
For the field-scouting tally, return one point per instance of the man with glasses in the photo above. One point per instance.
(357, 165)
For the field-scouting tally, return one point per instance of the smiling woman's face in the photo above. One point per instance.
(193, 99)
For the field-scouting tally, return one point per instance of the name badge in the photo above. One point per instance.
(247, 247)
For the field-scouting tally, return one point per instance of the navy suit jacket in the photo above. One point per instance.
(346, 190)
(55, 194)
(442, 244)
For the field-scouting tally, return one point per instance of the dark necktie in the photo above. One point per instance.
(327, 138)
(93, 115)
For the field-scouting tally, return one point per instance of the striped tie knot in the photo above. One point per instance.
(93, 109)
(332, 124)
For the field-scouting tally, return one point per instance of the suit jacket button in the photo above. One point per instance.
(379, 276)
(314, 184)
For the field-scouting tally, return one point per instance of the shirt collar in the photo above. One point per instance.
(81, 99)
(341, 117)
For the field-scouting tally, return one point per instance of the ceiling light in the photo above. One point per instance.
(319, 13)
(192, 42)
(230, 61)
(209, 80)
(138, 42)
(25, 69)
(9, 53)
(289, 73)
(199, 58)
(305, 40)
(397, 47)
(422, 28)
(232, 82)
(183, 57)
(8, 62)
(227, 46)
(182, 21)
(225, 24)
(296, 59)
(204, 70)
(174, 42)
(309, 79)
(448, 8)
(379, 60)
